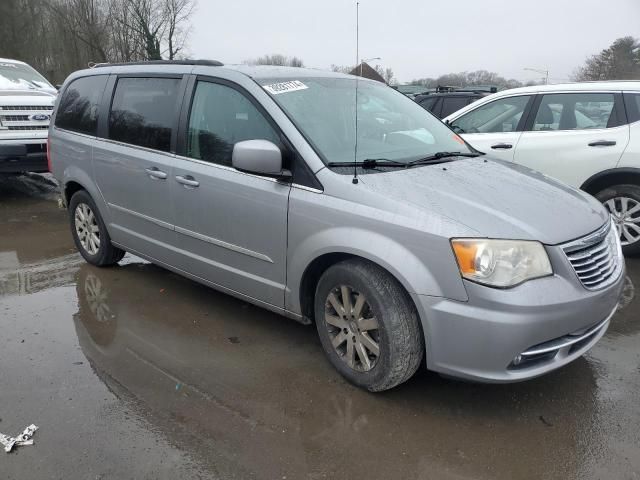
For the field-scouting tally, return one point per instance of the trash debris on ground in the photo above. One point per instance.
(21, 440)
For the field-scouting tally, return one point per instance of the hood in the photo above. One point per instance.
(19, 97)
(496, 199)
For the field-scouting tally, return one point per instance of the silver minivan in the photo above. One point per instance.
(338, 202)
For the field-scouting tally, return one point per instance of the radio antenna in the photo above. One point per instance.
(355, 149)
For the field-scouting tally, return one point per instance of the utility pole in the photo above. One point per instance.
(543, 72)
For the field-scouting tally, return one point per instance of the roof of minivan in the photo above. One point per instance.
(252, 71)
(270, 71)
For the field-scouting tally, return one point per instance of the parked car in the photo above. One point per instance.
(412, 91)
(402, 247)
(446, 100)
(26, 102)
(585, 134)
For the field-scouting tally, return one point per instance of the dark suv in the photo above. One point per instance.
(446, 100)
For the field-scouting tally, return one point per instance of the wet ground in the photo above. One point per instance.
(134, 372)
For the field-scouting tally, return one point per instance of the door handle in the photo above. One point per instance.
(155, 173)
(502, 146)
(188, 181)
(603, 143)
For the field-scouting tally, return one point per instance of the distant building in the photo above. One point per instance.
(366, 71)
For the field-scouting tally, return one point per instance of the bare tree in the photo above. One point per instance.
(148, 23)
(60, 36)
(276, 59)
(86, 21)
(341, 68)
(386, 73)
(178, 13)
(126, 45)
(468, 79)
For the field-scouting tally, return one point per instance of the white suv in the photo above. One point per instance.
(584, 134)
(26, 102)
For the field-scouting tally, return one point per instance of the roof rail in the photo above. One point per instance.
(206, 63)
(472, 88)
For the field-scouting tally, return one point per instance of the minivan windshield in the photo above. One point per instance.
(390, 126)
(17, 76)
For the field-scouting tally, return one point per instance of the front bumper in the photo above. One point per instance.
(480, 339)
(23, 157)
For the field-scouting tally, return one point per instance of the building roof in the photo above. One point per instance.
(365, 70)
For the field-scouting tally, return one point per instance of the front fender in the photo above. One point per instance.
(397, 259)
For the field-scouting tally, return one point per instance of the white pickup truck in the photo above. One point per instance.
(26, 102)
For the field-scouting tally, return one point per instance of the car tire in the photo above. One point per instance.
(620, 200)
(90, 233)
(377, 312)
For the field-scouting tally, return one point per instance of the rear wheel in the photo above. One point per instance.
(90, 233)
(623, 203)
(368, 325)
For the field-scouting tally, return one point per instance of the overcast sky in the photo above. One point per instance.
(417, 38)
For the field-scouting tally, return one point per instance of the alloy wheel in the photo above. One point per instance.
(87, 228)
(626, 216)
(353, 328)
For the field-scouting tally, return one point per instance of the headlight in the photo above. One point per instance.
(501, 263)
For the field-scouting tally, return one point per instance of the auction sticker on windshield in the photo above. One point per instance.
(284, 87)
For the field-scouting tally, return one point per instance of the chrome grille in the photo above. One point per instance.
(597, 258)
(25, 118)
(27, 127)
(27, 107)
(14, 118)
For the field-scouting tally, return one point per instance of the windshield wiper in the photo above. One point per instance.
(385, 162)
(440, 157)
(370, 163)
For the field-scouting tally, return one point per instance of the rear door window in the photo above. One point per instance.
(437, 107)
(79, 105)
(144, 111)
(453, 104)
(428, 103)
(575, 111)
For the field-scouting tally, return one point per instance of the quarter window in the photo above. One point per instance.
(80, 103)
(499, 116)
(143, 111)
(575, 111)
(220, 117)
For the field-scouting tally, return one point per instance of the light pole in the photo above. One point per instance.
(543, 72)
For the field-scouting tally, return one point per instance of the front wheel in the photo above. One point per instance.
(367, 325)
(623, 203)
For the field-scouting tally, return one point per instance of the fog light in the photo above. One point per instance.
(517, 360)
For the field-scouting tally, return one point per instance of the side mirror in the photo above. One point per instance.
(260, 157)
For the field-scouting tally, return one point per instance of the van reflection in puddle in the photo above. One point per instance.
(269, 404)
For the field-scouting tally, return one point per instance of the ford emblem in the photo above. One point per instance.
(40, 117)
